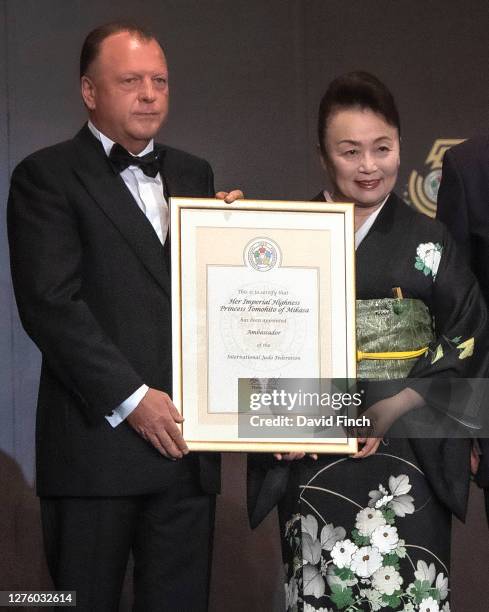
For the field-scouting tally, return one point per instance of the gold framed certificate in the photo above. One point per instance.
(263, 318)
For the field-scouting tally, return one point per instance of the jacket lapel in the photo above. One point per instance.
(109, 191)
(175, 183)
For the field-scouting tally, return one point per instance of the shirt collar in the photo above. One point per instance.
(107, 143)
(364, 229)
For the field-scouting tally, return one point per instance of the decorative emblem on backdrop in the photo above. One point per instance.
(422, 189)
(262, 254)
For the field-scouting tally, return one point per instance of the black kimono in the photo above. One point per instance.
(374, 533)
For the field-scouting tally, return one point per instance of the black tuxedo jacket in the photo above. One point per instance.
(463, 205)
(463, 202)
(92, 284)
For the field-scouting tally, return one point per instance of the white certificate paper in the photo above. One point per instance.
(260, 325)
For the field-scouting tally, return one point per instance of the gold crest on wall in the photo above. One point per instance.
(423, 187)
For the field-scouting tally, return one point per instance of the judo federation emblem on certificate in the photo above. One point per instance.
(262, 254)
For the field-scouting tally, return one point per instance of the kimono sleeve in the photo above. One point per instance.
(460, 349)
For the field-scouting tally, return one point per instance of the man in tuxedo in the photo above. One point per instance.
(89, 243)
(463, 205)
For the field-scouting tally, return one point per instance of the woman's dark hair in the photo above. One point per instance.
(356, 89)
(95, 38)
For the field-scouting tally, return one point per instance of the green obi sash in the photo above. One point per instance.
(388, 325)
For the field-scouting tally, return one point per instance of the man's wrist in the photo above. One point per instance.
(124, 409)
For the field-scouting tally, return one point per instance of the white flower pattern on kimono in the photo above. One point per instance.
(424, 572)
(387, 580)
(291, 593)
(309, 525)
(309, 608)
(429, 605)
(399, 485)
(342, 553)
(330, 535)
(428, 256)
(365, 561)
(311, 549)
(363, 571)
(290, 523)
(396, 499)
(313, 582)
(402, 505)
(442, 585)
(383, 501)
(369, 519)
(332, 578)
(379, 498)
(401, 549)
(385, 538)
(374, 598)
(324, 566)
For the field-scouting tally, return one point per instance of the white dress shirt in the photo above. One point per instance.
(148, 194)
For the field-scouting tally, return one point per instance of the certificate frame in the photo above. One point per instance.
(207, 238)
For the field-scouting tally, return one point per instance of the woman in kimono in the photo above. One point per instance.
(372, 532)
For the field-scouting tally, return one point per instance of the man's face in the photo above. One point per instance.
(126, 90)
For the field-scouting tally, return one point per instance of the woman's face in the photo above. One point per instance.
(362, 156)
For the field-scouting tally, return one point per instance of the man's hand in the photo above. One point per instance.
(230, 196)
(155, 419)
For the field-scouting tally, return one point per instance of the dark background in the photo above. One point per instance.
(246, 78)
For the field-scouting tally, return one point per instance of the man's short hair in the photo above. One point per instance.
(95, 38)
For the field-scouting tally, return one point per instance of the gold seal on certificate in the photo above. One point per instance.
(258, 296)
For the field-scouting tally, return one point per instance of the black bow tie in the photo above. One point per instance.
(120, 159)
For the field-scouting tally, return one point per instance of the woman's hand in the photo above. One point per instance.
(293, 456)
(370, 446)
(382, 415)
